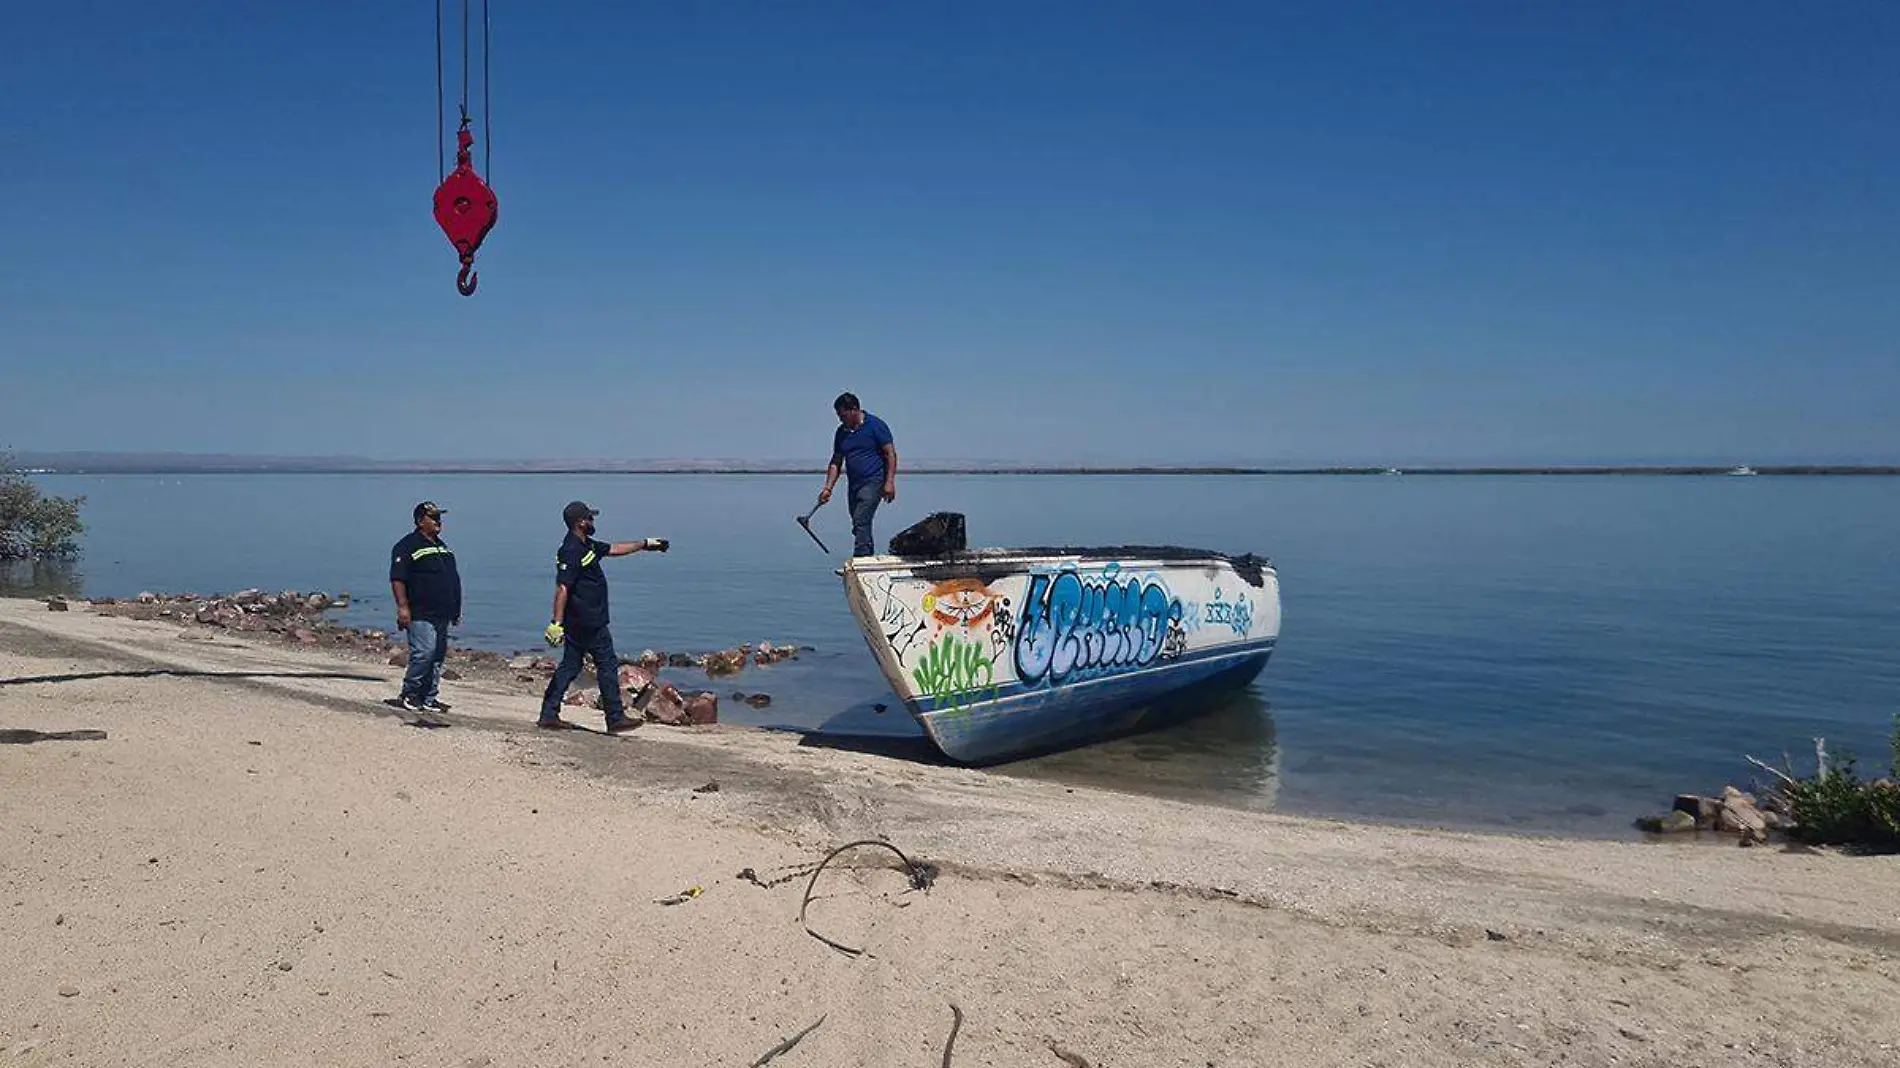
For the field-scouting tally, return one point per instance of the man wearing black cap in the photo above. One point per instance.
(428, 598)
(580, 617)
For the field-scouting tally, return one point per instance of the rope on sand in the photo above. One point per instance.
(921, 876)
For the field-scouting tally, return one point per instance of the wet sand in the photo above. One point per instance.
(262, 863)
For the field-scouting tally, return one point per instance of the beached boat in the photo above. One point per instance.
(1002, 653)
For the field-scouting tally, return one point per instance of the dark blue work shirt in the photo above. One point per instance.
(862, 449)
(427, 571)
(577, 566)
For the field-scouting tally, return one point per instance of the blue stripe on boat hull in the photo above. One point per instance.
(1023, 721)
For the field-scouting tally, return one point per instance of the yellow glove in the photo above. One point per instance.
(554, 634)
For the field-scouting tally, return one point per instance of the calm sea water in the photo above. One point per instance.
(1552, 654)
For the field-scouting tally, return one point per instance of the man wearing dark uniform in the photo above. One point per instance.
(581, 618)
(428, 599)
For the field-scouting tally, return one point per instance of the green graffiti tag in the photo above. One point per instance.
(955, 671)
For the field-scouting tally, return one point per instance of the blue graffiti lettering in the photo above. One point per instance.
(1235, 615)
(1070, 627)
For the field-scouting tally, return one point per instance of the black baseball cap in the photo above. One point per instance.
(429, 508)
(575, 512)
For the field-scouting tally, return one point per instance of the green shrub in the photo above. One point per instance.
(1837, 808)
(1830, 809)
(34, 525)
(1883, 814)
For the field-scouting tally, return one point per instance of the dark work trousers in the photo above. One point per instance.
(579, 645)
(865, 497)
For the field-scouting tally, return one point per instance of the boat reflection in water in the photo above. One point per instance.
(1221, 749)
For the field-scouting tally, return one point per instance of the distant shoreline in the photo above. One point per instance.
(267, 468)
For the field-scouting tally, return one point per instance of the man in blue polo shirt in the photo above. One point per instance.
(428, 593)
(863, 448)
(580, 618)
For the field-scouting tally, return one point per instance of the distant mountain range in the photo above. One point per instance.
(220, 463)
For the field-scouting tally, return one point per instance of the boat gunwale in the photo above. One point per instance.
(1250, 567)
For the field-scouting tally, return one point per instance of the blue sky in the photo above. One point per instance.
(1109, 232)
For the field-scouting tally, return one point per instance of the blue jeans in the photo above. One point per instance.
(579, 645)
(428, 647)
(864, 497)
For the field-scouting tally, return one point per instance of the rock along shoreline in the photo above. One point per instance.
(296, 617)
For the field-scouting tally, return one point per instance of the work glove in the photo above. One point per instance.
(554, 634)
(659, 544)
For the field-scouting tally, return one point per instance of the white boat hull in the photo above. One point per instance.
(1002, 653)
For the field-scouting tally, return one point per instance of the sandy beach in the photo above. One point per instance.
(263, 864)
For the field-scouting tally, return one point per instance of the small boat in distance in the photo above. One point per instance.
(1743, 470)
(1004, 653)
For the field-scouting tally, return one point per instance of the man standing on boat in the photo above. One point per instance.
(428, 593)
(862, 448)
(580, 618)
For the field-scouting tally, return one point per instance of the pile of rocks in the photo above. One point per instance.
(654, 700)
(720, 662)
(244, 610)
(1734, 812)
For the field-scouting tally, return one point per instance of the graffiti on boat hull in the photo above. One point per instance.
(957, 672)
(949, 636)
(1002, 628)
(902, 625)
(1073, 627)
(1235, 615)
(1175, 643)
(968, 603)
(957, 644)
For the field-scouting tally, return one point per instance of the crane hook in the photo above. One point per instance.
(465, 209)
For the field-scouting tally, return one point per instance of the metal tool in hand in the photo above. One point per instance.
(805, 521)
